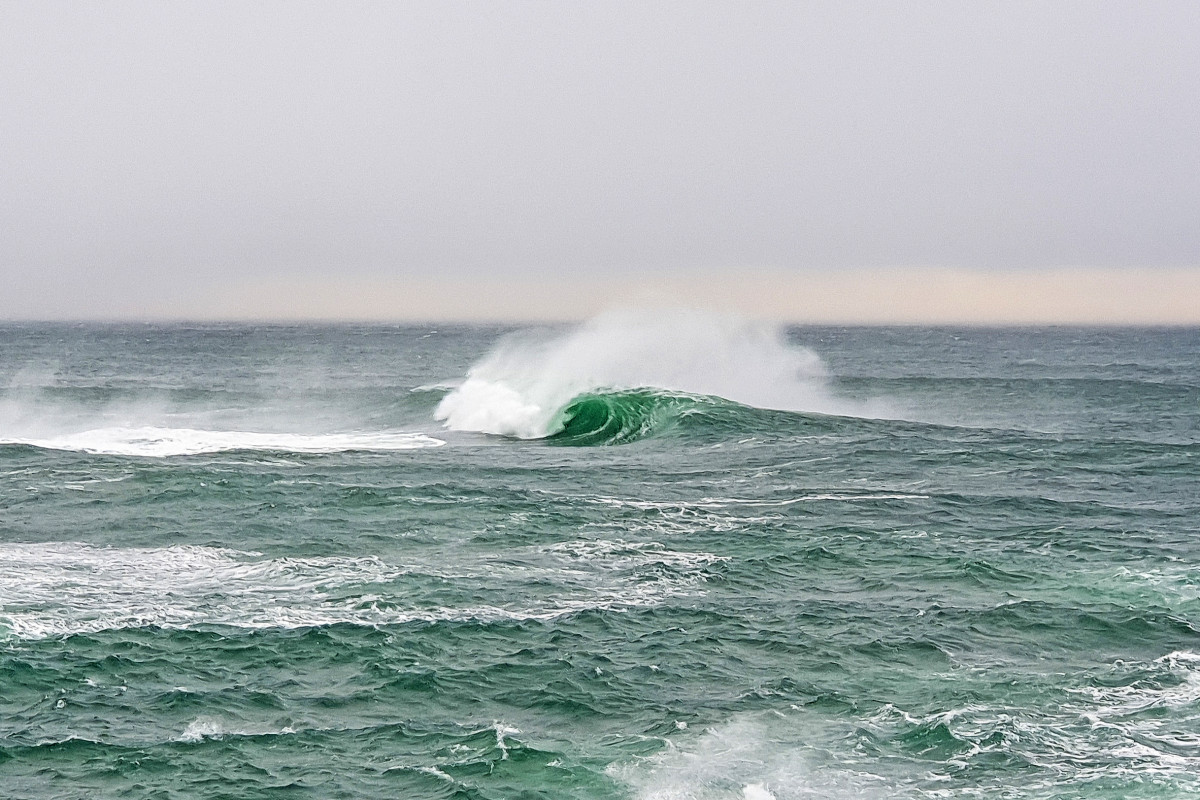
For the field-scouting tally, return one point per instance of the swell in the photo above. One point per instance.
(622, 416)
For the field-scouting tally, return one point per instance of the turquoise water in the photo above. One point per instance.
(668, 557)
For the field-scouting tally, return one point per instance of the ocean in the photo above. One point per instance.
(654, 556)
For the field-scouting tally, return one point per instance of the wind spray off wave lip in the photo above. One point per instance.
(623, 371)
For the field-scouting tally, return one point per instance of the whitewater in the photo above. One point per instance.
(653, 556)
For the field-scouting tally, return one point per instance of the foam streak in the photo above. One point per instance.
(156, 442)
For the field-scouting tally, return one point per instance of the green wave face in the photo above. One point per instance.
(623, 416)
(628, 415)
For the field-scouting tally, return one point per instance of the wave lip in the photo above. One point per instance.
(156, 442)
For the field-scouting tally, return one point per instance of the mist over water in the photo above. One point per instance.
(226, 548)
(289, 398)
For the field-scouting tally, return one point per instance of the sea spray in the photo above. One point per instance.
(522, 385)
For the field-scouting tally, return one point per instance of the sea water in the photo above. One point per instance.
(664, 555)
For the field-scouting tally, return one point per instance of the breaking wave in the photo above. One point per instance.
(623, 375)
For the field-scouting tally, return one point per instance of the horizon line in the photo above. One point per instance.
(933, 296)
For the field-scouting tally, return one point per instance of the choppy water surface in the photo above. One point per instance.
(650, 557)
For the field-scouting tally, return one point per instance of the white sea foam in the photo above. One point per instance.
(201, 729)
(503, 730)
(159, 442)
(49, 589)
(519, 387)
(1101, 733)
(751, 757)
(1141, 731)
(714, 503)
(1125, 701)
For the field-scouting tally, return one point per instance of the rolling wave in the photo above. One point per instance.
(622, 375)
(620, 417)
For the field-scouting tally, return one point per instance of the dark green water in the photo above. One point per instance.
(250, 562)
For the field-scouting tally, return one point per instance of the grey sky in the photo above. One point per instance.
(156, 154)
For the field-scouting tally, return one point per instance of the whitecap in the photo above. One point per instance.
(203, 728)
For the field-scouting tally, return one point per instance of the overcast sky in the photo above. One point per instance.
(249, 159)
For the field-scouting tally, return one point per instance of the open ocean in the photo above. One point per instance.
(656, 556)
